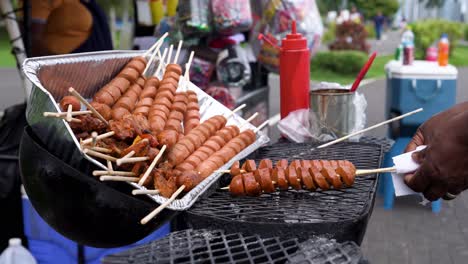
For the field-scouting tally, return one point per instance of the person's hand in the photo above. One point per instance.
(444, 163)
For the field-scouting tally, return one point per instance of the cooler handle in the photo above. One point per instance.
(423, 97)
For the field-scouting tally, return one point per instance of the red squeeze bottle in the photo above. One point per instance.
(294, 71)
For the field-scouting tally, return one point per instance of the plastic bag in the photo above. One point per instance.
(275, 24)
(231, 16)
(304, 125)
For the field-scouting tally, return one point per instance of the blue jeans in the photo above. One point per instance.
(378, 32)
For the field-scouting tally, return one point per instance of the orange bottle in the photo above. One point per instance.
(443, 53)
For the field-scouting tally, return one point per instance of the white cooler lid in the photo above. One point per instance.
(420, 70)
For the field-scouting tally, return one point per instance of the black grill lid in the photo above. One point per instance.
(340, 214)
(216, 246)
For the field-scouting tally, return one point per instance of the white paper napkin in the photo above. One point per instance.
(404, 164)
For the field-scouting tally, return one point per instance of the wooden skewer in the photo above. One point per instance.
(129, 155)
(358, 173)
(62, 114)
(118, 178)
(169, 55)
(88, 105)
(374, 171)
(176, 58)
(369, 128)
(94, 135)
(260, 127)
(99, 137)
(229, 171)
(102, 150)
(152, 58)
(151, 166)
(99, 155)
(161, 63)
(69, 111)
(131, 160)
(109, 166)
(113, 172)
(252, 117)
(139, 192)
(151, 215)
(160, 40)
(240, 107)
(189, 62)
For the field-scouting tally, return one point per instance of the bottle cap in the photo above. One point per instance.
(14, 241)
(294, 40)
(444, 35)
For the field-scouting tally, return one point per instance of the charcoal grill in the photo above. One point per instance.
(340, 214)
(216, 246)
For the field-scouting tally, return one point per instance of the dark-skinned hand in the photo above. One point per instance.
(444, 163)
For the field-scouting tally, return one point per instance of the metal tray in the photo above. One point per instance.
(87, 73)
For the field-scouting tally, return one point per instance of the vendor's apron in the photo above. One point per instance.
(100, 37)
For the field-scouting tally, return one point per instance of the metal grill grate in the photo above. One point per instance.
(334, 212)
(205, 246)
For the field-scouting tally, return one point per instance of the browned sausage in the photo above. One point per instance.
(306, 179)
(125, 102)
(265, 164)
(141, 110)
(237, 186)
(282, 163)
(104, 97)
(102, 109)
(293, 180)
(319, 179)
(252, 188)
(265, 181)
(279, 176)
(129, 74)
(249, 166)
(345, 172)
(149, 91)
(171, 75)
(138, 65)
(330, 174)
(206, 168)
(145, 102)
(190, 179)
(168, 138)
(118, 113)
(172, 67)
(235, 168)
(121, 83)
(70, 100)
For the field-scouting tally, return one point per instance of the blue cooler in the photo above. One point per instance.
(424, 84)
(49, 247)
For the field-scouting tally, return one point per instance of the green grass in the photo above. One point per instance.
(376, 71)
(459, 57)
(7, 60)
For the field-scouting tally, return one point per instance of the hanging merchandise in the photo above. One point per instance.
(231, 16)
(274, 26)
(201, 72)
(194, 16)
(232, 67)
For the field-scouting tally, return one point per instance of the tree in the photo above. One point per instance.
(325, 6)
(369, 8)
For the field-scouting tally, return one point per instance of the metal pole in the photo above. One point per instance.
(16, 40)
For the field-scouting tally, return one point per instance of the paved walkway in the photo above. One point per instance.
(411, 233)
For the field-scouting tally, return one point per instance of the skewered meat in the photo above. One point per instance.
(70, 100)
(300, 174)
